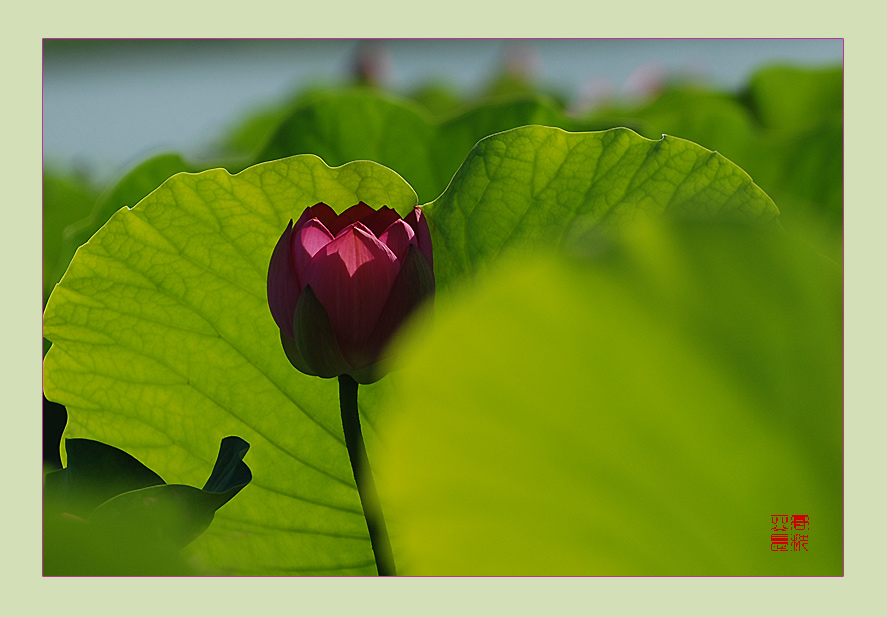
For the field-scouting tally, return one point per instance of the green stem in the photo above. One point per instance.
(363, 476)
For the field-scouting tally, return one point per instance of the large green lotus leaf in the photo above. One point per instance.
(128, 191)
(163, 344)
(644, 413)
(786, 131)
(716, 120)
(543, 187)
(362, 124)
(456, 136)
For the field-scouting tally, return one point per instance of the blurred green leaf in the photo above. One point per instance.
(438, 98)
(66, 199)
(162, 339)
(358, 125)
(361, 124)
(792, 100)
(251, 133)
(642, 413)
(176, 513)
(122, 518)
(807, 177)
(95, 473)
(73, 547)
(786, 131)
(802, 112)
(712, 119)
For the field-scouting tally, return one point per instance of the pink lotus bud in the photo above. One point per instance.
(339, 286)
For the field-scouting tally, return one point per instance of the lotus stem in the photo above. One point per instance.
(363, 476)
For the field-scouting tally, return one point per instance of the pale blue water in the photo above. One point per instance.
(106, 106)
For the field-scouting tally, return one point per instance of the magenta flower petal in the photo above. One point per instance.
(398, 237)
(319, 211)
(413, 285)
(359, 211)
(283, 285)
(355, 213)
(307, 215)
(416, 219)
(307, 241)
(380, 220)
(295, 356)
(315, 342)
(352, 276)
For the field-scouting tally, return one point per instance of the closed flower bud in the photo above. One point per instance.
(339, 286)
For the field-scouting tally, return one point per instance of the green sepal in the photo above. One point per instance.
(369, 374)
(315, 340)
